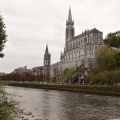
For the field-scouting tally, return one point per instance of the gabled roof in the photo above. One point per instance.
(95, 30)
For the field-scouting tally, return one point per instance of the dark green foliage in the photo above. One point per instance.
(7, 105)
(3, 36)
(116, 76)
(103, 78)
(112, 39)
(117, 57)
(107, 58)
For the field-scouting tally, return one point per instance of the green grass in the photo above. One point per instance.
(67, 73)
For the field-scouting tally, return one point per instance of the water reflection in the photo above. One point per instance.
(62, 105)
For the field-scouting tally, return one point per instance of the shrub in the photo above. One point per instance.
(116, 76)
(100, 78)
(96, 72)
(7, 105)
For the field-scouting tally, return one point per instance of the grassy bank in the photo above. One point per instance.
(103, 90)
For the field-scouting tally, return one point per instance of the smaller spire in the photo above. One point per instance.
(46, 51)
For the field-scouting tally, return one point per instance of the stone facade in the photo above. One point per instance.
(38, 70)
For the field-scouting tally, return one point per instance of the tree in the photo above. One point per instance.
(117, 56)
(3, 36)
(112, 39)
(105, 57)
(116, 76)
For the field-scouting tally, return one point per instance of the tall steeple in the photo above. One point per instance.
(69, 21)
(46, 51)
(70, 31)
(47, 59)
(69, 16)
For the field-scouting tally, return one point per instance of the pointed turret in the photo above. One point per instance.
(69, 16)
(46, 51)
(69, 21)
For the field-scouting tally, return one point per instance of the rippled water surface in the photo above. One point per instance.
(63, 105)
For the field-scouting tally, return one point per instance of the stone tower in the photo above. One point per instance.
(47, 58)
(70, 31)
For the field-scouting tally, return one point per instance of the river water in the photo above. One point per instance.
(63, 105)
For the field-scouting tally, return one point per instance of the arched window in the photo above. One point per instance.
(71, 32)
(79, 43)
(90, 39)
(85, 39)
(74, 45)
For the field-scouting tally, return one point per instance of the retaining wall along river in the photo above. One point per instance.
(102, 89)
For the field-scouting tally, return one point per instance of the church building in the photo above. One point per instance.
(78, 50)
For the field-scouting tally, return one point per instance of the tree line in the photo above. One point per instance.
(24, 77)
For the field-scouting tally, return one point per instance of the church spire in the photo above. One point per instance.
(46, 51)
(69, 16)
(70, 21)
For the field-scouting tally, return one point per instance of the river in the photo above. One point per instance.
(63, 105)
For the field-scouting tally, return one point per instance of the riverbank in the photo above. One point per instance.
(102, 89)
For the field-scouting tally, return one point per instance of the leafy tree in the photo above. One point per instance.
(116, 76)
(3, 36)
(105, 57)
(89, 78)
(117, 56)
(112, 39)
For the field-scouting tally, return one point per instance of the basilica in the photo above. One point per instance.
(78, 50)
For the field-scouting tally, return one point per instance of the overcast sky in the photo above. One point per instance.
(31, 23)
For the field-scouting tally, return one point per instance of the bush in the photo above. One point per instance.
(116, 76)
(100, 78)
(89, 78)
(7, 105)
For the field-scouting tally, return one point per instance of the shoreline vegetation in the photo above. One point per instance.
(8, 106)
(92, 89)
